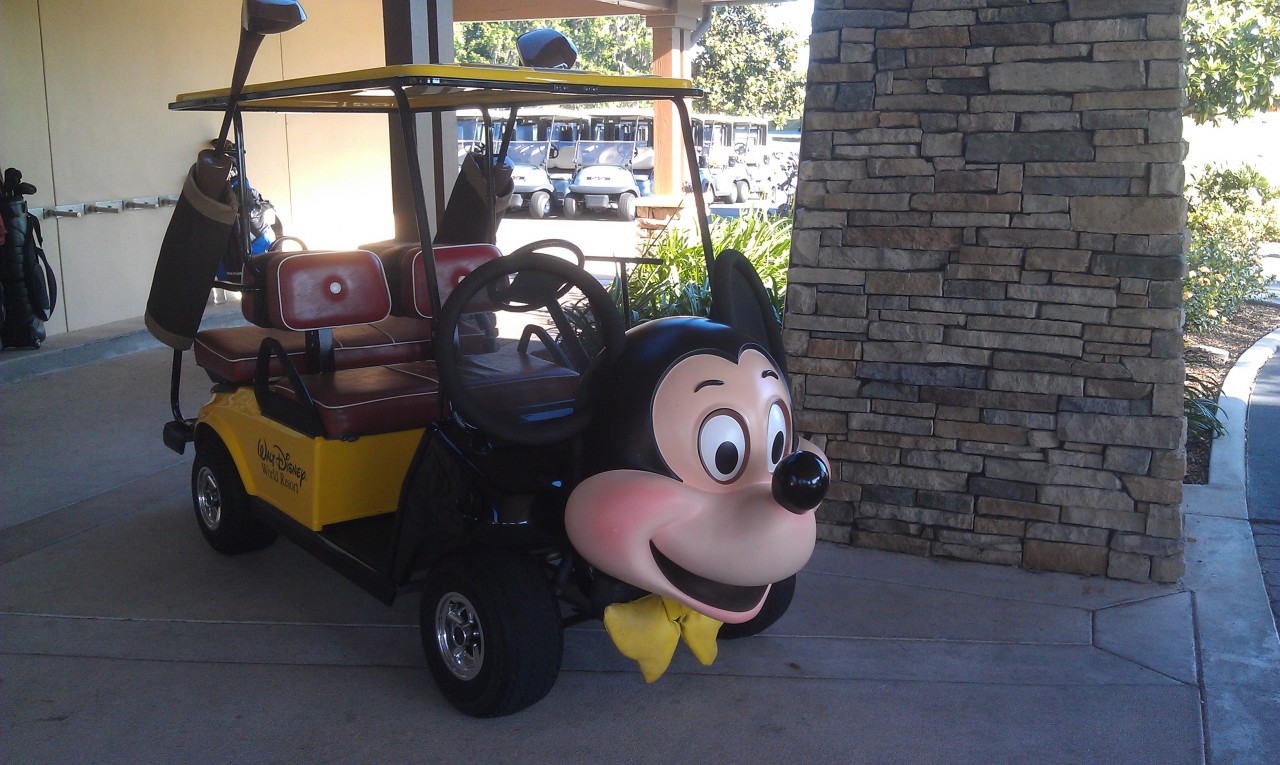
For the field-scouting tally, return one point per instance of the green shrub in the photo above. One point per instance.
(1200, 404)
(679, 287)
(1232, 213)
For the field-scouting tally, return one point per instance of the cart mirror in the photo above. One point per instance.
(270, 17)
(547, 49)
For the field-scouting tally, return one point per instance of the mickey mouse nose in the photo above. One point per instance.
(800, 482)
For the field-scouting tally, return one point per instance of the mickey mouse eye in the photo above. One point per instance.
(722, 445)
(777, 435)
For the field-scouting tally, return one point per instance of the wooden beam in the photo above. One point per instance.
(514, 10)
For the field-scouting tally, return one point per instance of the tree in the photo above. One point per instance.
(1233, 58)
(613, 44)
(747, 66)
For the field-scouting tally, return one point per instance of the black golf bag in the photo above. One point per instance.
(27, 283)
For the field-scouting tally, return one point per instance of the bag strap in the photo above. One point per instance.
(35, 245)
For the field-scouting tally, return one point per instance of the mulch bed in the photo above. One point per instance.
(1252, 322)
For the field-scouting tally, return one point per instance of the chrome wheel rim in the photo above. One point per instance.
(459, 636)
(208, 498)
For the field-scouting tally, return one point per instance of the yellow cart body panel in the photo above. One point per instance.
(315, 481)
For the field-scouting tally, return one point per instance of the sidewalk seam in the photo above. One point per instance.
(1204, 694)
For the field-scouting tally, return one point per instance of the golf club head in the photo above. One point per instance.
(270, 17)
(12, 178)
(546, 49)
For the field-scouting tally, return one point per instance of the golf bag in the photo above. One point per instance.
(469, 217)
(264, 228)
(27, 283)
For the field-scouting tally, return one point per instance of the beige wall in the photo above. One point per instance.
(85, 117)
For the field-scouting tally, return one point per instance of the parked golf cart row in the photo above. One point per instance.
(601, 160)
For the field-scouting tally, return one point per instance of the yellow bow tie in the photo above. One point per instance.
(649, 629)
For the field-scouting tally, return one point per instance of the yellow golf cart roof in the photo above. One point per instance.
(436, 87)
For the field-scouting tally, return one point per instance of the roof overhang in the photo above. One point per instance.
(514, 10)
(437, 87)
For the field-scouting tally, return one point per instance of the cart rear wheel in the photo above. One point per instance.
(627, 206)
(776, 604)
(741, 192)
(539, 204)
(570, 207)
(491, 631)
(221, 504)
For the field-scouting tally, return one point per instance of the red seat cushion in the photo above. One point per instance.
(229, 354)
(369, 400)
(518, 382)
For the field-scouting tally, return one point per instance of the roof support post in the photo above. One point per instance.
(672, 57)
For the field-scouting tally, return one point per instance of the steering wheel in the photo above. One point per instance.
(278, 245)
(521, 281)
(551, 244)
(504, 297)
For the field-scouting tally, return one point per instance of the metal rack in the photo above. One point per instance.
(109, 206)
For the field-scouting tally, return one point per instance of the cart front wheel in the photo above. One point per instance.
(221, 504)
(741, 192)
(570, 207)
(627, 206)
(539, 204)
(491, 631)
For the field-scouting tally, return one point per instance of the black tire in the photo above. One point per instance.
(627, 206)
(741, 192)
(570, 207)
(221, 503)
(775, 605)
(491, 631)
(539, 204)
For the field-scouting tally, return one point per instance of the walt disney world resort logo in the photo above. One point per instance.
(277, 465)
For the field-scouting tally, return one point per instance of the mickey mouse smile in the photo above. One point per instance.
(729, 597)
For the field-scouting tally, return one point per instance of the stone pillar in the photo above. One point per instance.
(985, 296)
(672, 57)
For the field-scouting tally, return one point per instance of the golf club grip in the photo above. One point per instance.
(245, 53)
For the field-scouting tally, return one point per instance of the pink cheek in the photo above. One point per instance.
(612, 517)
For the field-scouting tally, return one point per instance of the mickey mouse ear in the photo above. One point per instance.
(739, 300)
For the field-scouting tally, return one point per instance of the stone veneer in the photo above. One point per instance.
(985, 290)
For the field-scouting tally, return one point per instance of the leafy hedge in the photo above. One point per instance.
(1232, 213)
(679, 287)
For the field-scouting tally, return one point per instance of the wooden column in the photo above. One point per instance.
(672, 57)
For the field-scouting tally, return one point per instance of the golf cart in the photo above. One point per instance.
(603, 180)
(472, 130)
(482, 427)
(629, 124)
(533, 189)
(725, 175)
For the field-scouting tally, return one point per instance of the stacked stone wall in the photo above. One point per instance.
(985, 292)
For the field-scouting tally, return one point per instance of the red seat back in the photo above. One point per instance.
(316, 290)
(407, 275)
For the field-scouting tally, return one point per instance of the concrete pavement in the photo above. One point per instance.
(123, 637)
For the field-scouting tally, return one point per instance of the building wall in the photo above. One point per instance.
(985, 296)
(85, 117)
